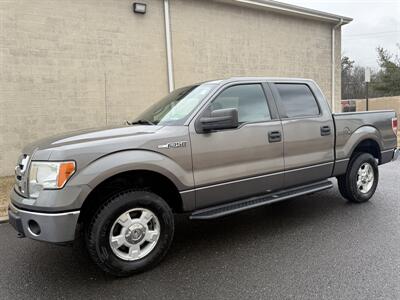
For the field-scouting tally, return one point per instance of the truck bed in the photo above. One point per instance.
(376, 125)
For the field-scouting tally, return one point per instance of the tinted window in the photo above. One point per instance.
(298, 100)
(248, 99)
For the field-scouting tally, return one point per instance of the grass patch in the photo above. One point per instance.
(6, 184)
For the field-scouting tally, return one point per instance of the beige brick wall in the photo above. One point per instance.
(63, 62)
(381, 103)
(216, 40)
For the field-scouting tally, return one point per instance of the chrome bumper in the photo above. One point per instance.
(396, 154)
(47, 227)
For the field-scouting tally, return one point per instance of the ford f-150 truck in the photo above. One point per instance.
(210, 150)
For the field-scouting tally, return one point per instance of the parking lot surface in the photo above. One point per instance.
(312, 247)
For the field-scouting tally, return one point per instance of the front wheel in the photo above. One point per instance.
(361, 179)
(130, 233)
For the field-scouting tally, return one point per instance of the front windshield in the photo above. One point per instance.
(175, 108)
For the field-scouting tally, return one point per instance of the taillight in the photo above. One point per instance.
(394, 125)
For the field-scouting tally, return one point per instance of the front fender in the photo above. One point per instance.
(119, 162)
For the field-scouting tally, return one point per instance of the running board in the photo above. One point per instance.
(244, 204)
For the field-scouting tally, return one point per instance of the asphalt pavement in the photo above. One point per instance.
(312, 247)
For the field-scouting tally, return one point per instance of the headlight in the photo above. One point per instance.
(49, 175)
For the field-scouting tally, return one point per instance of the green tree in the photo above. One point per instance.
(387, 80)
(353, 86)
(347, 69)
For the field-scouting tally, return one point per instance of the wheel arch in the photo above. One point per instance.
(134, 179)
(370, 146)
(366, 138)
(135, 169)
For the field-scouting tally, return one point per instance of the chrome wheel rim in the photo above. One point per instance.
(365, 178)
(134, 234)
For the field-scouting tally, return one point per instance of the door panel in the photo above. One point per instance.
(237, 163)
(308, 155)
(308, 132)
(233, 164)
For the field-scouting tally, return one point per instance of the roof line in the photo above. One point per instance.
(292, 10)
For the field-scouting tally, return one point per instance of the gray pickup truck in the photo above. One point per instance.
(210, 150)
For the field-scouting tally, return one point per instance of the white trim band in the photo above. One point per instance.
(168, 46)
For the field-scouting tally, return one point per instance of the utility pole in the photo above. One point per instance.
(367, 80)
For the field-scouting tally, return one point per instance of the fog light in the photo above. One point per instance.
(139, 8)
(34, 227)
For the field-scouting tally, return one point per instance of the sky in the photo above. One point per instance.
(375, 23)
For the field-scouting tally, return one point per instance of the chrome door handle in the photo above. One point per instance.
(274, 136)
(325, 130)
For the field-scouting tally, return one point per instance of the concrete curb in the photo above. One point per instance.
(3, 220)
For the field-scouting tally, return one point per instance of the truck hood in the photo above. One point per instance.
(61, 143)
(141, 146)
(86, 146)
(87, 135)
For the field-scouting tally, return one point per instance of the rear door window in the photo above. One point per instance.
(297, 100)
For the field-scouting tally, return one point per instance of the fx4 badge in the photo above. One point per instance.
(173, 145)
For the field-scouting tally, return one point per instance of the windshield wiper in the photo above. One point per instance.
(140, 122)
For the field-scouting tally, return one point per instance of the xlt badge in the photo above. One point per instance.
(173, 145)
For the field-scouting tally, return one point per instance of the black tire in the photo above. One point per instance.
(347, 183)
(98, 232)
(342, 186)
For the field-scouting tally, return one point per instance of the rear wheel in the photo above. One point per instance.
(130, 233)
(361, 179)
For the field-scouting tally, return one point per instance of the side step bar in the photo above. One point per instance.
(244, 204)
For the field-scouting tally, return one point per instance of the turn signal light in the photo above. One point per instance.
(65, 172)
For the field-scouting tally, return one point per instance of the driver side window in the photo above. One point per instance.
(248, 99)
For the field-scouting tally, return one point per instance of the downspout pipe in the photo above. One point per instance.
(333, 63)
(168, 46)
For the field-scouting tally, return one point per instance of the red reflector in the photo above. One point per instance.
(394, 125)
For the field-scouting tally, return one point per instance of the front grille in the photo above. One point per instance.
(21, 180)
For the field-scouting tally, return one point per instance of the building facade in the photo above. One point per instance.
(67, 65)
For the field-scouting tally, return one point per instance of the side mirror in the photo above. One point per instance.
(220, 119)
